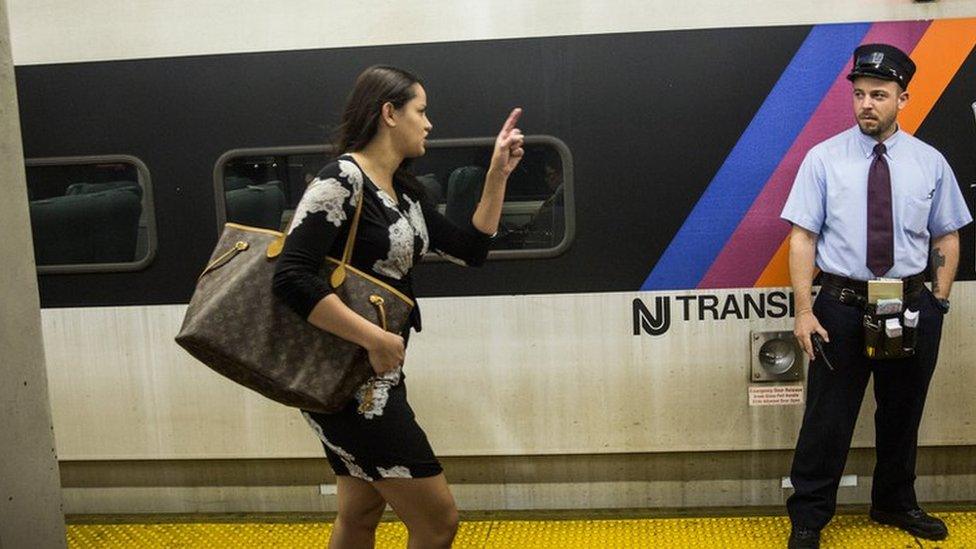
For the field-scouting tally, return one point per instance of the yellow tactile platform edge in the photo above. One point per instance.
(846, 531)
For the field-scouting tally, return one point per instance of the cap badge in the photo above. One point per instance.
(873, 58)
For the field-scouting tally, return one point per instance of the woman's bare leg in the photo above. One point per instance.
(360, 510)
(426, 506)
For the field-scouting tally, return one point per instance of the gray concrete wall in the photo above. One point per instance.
(30, 484)
(668, 483)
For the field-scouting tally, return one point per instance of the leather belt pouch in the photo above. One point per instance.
(888, 336)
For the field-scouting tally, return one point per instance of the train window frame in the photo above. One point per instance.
(143, 179)
(565, 155)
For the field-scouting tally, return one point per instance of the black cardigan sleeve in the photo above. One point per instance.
(466, 245)
(322, 217)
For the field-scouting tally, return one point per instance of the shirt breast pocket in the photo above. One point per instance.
(915, 214)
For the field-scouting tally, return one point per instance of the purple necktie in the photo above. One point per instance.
(881, 246)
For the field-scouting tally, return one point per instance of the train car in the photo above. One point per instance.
(628, 343)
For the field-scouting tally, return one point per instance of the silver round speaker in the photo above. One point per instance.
(777, 356)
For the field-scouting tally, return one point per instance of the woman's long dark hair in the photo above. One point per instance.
(376, 86)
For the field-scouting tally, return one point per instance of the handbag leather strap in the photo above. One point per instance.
(351, 239)
(338, 275)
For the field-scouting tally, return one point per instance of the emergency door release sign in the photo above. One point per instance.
(782, 395)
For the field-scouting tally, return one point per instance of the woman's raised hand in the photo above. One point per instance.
(508, 145)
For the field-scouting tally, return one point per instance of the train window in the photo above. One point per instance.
(91, 214)
(261, 187)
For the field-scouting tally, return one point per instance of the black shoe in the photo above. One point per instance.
(804, 538)
(916, 522)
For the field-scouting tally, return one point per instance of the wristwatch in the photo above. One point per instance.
(943, 304)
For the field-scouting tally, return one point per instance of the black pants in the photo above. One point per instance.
(834, 399)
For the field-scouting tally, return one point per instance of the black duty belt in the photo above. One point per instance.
(855, 292)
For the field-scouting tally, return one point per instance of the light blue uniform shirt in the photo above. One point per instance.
(829, 197)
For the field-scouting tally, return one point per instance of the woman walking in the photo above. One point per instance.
(378, 451)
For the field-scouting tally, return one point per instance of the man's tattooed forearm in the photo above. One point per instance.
(938, 261)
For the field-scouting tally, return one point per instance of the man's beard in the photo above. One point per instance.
(883, 125)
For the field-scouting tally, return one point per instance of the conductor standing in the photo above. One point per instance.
(871, 202)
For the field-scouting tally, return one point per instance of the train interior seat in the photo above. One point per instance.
(435, 192)
(235, 182)
(547, 226)
(88, 188)
(256, 205)
(463, 194)
(142, 240)
(93, 223)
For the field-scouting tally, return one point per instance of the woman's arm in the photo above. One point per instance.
(386, 349)
(324, 215)
(465, 245)
(506, 156)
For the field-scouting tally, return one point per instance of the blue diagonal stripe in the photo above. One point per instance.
(782, 116)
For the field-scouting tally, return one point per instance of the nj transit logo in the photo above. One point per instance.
(702, 307)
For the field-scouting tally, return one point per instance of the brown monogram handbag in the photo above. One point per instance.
(236, 326)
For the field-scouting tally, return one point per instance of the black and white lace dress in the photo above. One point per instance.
(380, 439)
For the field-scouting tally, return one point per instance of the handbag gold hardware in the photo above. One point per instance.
(377, 302)
(275, 247)
(367, 402)
(338, 276)
(239, 247)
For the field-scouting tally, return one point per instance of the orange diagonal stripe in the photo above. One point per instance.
(777, 271)
(938, 55)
